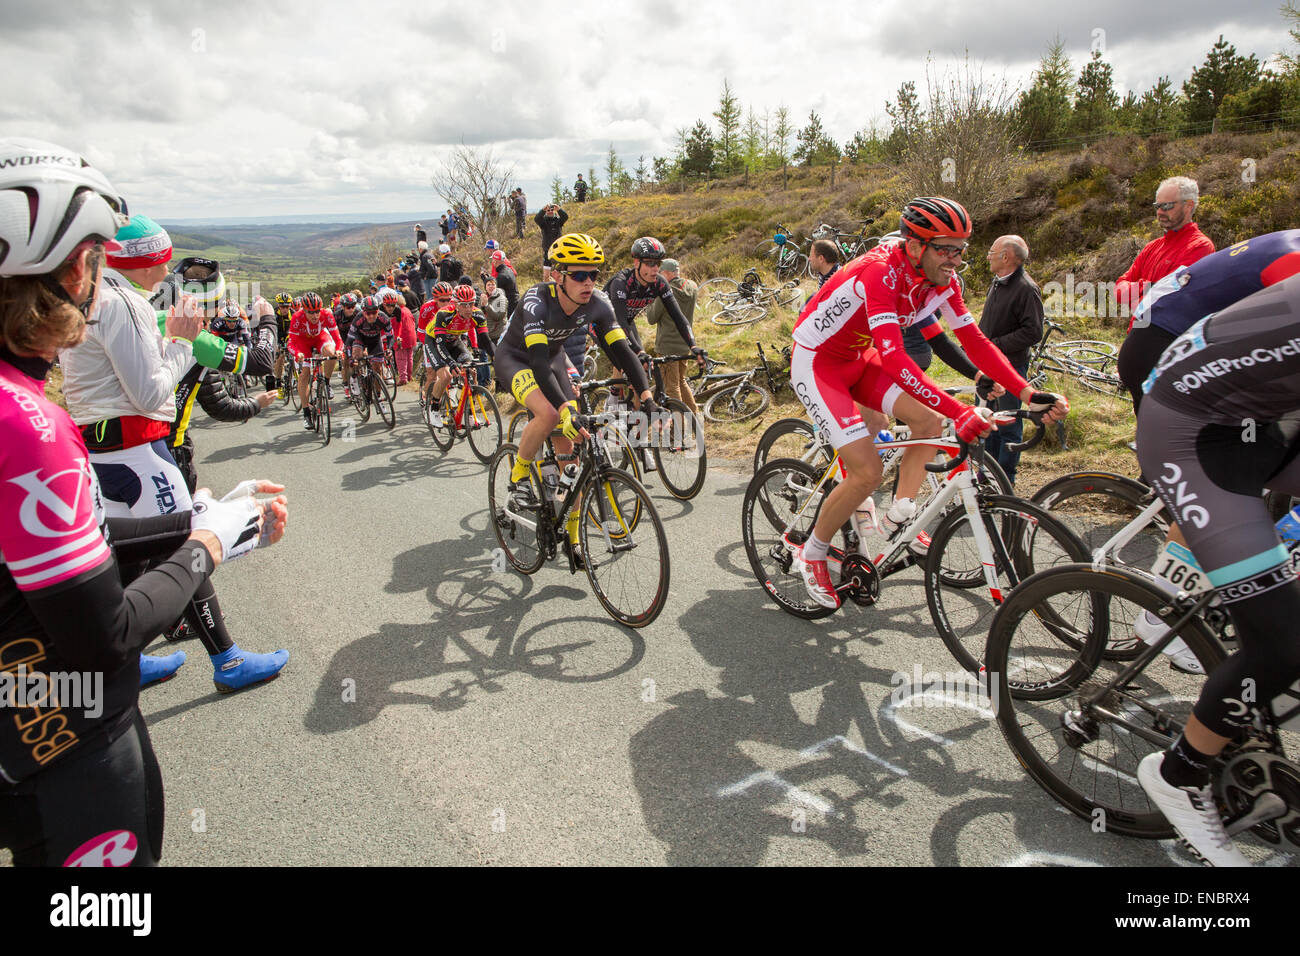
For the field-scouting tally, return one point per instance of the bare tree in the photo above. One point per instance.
(475, 179)
(963, 146)
(380, 253)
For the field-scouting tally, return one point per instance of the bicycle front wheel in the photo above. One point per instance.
(739, 312)
(440, 417)
(323, 409)
(1097, 505)
(1042, 689)
(679, 451)
(746, 400)
(626, 555)
(791, 438)
(382, 399)
(515, 528)
(1024, 538)
(483, 428)
(518, 420)
(713, 295)
(358, 399)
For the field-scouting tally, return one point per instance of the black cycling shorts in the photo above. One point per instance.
(516, 374)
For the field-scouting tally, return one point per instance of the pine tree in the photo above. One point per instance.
(1043, 111)
(751, 142)
(1222, 74)
(700, 151)
(642, 172)
(905, 113)
(557, 190)
(782, 130)
(728, 117)
(1095, 101)
(814, 146)
(593, 185)
(614, 172)
(1158, 110)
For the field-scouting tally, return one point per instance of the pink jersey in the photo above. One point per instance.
(305, 334)
(869, 302)
(50, 506)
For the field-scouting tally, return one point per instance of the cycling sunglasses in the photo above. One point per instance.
(585, 275)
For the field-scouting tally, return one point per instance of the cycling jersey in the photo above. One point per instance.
(368, 331)
(630, 298)
(1190, 293)
(868, 303)
(535, 336)
(344, 321)
(307, 336)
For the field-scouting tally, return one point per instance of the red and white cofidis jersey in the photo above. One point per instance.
(50, 505)
(304, 333)
(869, 302)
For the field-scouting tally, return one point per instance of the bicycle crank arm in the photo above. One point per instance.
(1269, 806)
(519, 519)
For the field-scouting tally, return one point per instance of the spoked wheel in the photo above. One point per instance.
(357, 397)
(515, 528)
(746, 400)
(679, 451)
(740, 311)
(789, 296)
(382, 399)
(322, 409)
(1098, 505)
(443, 434)
(624, 548)
(1042, 687)
(790, 438)
(791, 263)
(1098, 354)
(713, 295)
(1025, 539)
(483, 423)
(291, 376)
(390, 370)
(517, 422)
(779, 510)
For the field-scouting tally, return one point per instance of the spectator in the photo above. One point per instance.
(449, 267)
(445, 225)
(403, 338)
(453, 228)
(1013, 321)
(668, 341)
(420, 235)
(580, 189)
(493, 304)
(504, 273)
(412, 300)
(1182, 243)
(550, 220)
(428, 270)
(521, 210)
(824, 260)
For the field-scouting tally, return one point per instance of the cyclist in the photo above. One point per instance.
(848, 348)
(530, 358)
(441, 296)
(313, 331)
(1238, 365)
(347, 312)
(230, 324)
(452, 333)
(78, 785)
(630, 290)
(283, 313)
(369, 333)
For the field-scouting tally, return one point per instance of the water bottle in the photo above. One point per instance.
(550, 478)
(884, 435)
(864, 522)
(568, 478)
(1288, 526)
(899, 514)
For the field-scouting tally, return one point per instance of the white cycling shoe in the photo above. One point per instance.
(816, 578)
(1148, 629)
(1192, 813)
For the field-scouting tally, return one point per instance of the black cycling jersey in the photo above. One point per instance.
(630, 297)
(536, 332)
(367, 332)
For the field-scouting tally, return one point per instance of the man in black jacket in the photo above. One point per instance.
(550, 219)
(1013, 321)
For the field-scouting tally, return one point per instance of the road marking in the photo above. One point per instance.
(853, 748)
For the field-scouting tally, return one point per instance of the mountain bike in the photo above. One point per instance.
(728, 302)
(622, 545)
(467, 409)
(370, 388)
(986, 539)
(1079, 717)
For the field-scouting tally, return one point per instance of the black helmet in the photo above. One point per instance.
(648, 247)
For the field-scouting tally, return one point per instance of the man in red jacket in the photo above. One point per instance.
(1182, 244)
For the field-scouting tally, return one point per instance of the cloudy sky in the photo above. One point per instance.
(250, 109)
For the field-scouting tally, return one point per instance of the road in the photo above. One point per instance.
(435, 711)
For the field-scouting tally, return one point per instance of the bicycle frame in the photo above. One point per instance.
(478, 414)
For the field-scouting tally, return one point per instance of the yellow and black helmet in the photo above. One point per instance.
(284, 299)
(576, 249)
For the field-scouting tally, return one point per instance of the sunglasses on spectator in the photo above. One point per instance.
(1166, 206)
(949, 252)
(585, 275)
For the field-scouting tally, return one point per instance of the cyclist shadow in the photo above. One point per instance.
(404, 467)
(474, 641)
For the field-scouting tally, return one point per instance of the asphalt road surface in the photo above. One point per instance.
(436, 711)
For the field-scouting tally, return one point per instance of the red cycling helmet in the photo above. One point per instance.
(390, 296)
(465, 293)
(311, 302)
(368, 304)
(929, 217)
(442, 290)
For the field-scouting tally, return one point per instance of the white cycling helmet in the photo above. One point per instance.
(51, 201)
(444, 250)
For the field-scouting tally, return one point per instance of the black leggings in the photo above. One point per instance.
(100, 806)
(1138, 356)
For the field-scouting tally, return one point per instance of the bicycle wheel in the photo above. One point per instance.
(515, 529)
(483, 423)
(679, 451)
(780, 509)
(791, 438)
(789, 295)
(714, 294)
(289, 386)
(382, 399)
(1040, 686)
(1025, 539)
(989, 477)
(323, 409)
(1086, 352)
(443, 412)
(744, 401)
(791, 263)
(358, 398)
(740, 312)
(1098, 505)
(390, 370)
(619, 450)
(518, 420)
(626, 557)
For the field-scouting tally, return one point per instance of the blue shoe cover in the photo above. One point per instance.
(236, 669)
(155, 670)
